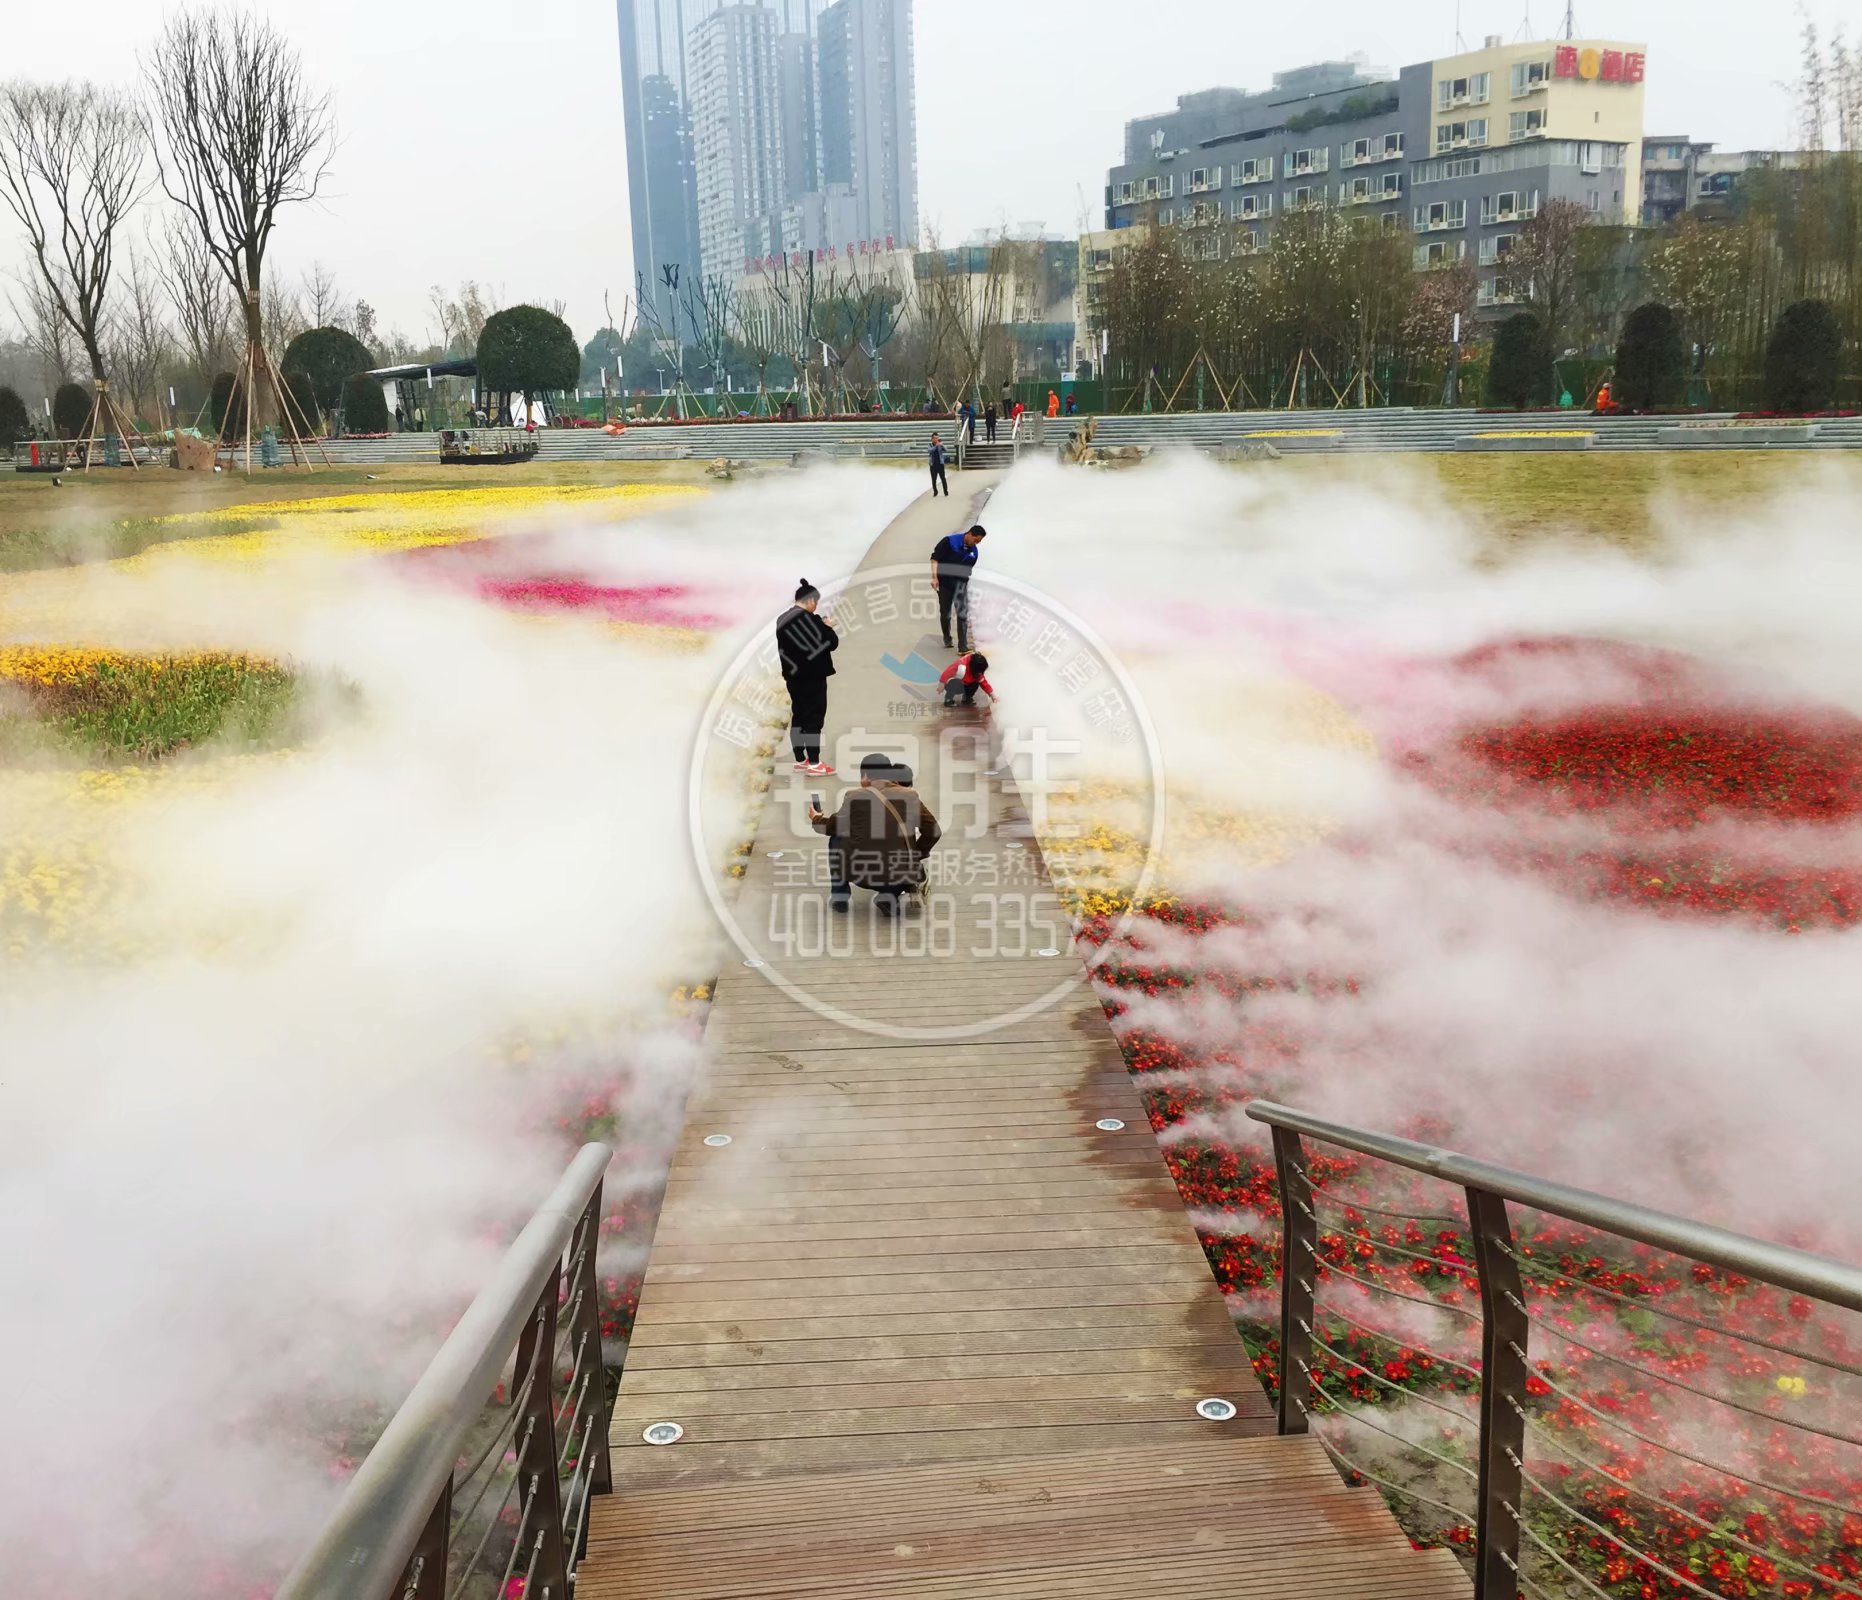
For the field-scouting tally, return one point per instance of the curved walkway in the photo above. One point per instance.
(927, 1329)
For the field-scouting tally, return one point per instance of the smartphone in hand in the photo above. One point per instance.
(814, 801)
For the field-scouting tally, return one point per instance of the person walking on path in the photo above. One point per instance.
(989, 422)
(805, 645)
(1008, 397)
(964, 676)
(879, 837)
(1053, 403)
(937, 467)
(967, 419)
(952, 558)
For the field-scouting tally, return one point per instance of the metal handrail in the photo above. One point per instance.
(397, 1504)
(1505, 1324)
(1015, 438)
(1799, 1271)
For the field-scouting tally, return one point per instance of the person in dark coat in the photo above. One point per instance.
(879, 837)
(805, 645)
(989, 422)
(937, 467)
(952, 559)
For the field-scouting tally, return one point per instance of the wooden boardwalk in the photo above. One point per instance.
(927, 1329)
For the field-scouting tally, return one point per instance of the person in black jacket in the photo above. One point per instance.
(805, 645)
(937, 467)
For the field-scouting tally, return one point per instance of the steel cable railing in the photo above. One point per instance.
(398, 1532)
(1527, 1503)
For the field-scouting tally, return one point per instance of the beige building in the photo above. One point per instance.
(1586, 90)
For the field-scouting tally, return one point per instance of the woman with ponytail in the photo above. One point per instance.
(805, 644)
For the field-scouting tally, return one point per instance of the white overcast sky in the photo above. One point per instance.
(484, 140)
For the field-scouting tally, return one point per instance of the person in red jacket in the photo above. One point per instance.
(964, 676)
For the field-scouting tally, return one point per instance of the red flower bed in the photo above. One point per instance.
(1623, 765)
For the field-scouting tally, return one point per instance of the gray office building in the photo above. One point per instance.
(869, 116)
(1459, 152)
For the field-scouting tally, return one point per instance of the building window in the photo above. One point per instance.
(1440, 252)
(1497, 247)
(1256, 169)
(1358, 151)
(1524, 124)
(1392, 183)
(1530, 76)
(1469, 91)
(1392, 222)
(1164, 216)
(1449, 135)
(1393, 146)
(1302, 197)
(1249, 240)
(1254, 205)
(1124, 194)
(1441, 215)
(1301, 162)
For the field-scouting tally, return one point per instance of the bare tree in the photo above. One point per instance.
(242, 135)
(322, 301)
(283, 312)
(144, 344)
(1546, 264)
(47, 334)
(70, 172)
(197, 291)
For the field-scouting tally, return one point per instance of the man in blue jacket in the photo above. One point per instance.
(952, 559)
(937, 468)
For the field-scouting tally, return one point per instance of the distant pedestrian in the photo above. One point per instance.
(937, 468)
(952, 559)
(1073, 404)
(1008, 397)
(1016, 414)
(989, 422)
(400, 420)
(966, 419)
(964, 676)
(1053, 403)
(805, 646)
(879, 837)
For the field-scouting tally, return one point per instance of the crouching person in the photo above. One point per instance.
(964, 676)
(879, 837)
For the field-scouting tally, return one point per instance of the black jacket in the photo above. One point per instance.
(806, 645)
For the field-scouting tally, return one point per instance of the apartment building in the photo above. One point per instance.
(735, 90)
(1459, 151)
(1681, 174)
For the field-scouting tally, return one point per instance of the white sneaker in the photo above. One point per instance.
(800, 766)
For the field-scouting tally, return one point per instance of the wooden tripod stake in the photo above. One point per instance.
(105, 418)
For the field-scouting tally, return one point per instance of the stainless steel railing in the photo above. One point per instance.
(1508, 1414)
(512, 1408)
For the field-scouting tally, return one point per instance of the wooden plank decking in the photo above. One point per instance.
(928, 1330)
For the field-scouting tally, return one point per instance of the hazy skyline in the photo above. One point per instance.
(472, 148)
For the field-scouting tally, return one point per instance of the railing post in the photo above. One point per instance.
(1299, 1243)
(425, 1573)
(1503, 1399)
(586, 1286)
(539, 1490)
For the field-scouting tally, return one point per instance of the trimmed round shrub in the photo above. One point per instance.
(15, 420)
(228, 413)
(527, 350)
(1803, 362)
(1519, 373)
(330, 357)
(71, 409)
(364, 408)
(1651, 360)
(304, 397)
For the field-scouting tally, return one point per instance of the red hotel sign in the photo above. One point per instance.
(1598, 66)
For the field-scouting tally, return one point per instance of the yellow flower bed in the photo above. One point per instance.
(1097, 841)
(53, 666)
(401, 521)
